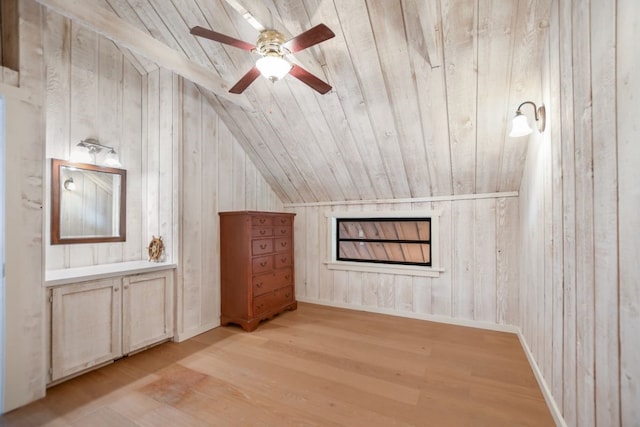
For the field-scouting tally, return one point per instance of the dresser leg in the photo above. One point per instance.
(250, 325)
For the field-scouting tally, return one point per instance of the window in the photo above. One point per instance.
(391, 242)
(384, 240)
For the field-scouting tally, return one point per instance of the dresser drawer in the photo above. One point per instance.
(268, 282)
(262, 264)
(272, 300)
(284, 259)
(261, 246)
(282, 231)
(258, 220)
(261, 232)
(283, 220)
(282, 244)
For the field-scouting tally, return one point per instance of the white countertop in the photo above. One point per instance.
(93, 272)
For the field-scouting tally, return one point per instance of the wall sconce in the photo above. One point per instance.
(520, 125)
(69, 184)
(94, 147)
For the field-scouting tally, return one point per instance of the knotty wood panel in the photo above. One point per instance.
(579, 268)
(628, 93)
(479, 278)
(92, 93)
(23, 322)
(217, 175)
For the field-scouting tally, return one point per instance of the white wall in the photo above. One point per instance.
(216, 176)
(93, 91)
(579, 232)
(477, 284)
(183, 166)
(24, 358)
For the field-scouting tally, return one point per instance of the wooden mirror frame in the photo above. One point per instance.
(56, 239)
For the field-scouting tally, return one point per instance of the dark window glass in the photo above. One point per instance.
(384, 240)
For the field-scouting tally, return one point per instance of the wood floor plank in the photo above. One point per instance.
(316, 366)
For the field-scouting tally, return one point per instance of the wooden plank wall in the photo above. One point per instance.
(478, 279)
(93, 92)
(217, 175)
(23, 318)
(578, 217)
(183, 165)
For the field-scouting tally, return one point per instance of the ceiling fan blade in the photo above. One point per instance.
(245, 81)
(311, 37)
(309, 79)
(222, 38)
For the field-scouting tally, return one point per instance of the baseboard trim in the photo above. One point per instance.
(411, 315)
(185, 335)
(546, 392)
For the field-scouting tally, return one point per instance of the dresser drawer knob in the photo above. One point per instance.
(259, 285)
(263, 263)
(259, 306)
(283, 231)
(263, 246)
(283, 260)
(283, 221)
(283, 244)
(287, 295)
(286, 276)
(263, 231)
(262, 220)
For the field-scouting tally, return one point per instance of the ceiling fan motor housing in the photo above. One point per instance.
(270, 43)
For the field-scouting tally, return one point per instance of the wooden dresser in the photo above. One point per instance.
(256, 266)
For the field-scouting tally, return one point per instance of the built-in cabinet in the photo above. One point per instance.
(97, 321)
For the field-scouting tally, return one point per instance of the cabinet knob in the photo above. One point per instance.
(283, 244)
(259, 285)
(283, 259)
(126, 286)
(262, 220)
(263, 263)
(287, 295)
(264, 246)
(283, 231)
(116, 289)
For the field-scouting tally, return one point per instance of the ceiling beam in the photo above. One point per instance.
(260, 17)
(109, 25)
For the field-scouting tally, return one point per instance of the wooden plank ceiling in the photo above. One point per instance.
(423, 91)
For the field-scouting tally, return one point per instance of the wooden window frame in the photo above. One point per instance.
(333, 263)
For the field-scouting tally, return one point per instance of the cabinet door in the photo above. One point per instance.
(147, 312)
(85, 326)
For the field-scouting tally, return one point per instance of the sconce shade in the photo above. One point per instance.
(273, 67)
(520, 126)
(112, 160)
(69, 184)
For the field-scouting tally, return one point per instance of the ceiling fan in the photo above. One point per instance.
(272, 48)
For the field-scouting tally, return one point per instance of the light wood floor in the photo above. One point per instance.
(317, 366)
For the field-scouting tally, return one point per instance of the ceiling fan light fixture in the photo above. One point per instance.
(273, 67)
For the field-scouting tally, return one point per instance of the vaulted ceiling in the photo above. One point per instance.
(423, 90)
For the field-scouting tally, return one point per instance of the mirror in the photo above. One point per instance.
(88, 203)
